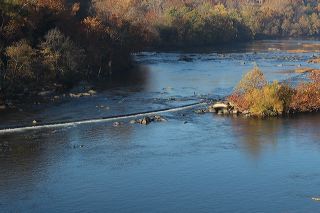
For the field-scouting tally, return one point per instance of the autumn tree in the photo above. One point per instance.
(20, 66)
(62, 58)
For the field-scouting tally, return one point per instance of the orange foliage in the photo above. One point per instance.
(75, 8)
(93, 24)
(307, 97)
(239, 101)
(54, 5)
(259, 98)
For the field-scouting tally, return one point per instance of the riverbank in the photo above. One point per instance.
(63, 42)
(163, 80)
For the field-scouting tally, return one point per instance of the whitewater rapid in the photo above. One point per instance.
(100, 120)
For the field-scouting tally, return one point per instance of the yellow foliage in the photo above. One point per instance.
(220, 9)
(260, 98)
(254, 79)
(265, 102)
(20, 61)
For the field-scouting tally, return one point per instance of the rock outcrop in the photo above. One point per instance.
(220, 108)
(147, 120)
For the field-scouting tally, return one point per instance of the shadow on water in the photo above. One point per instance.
(122, 85)
(137, 77)
(250, 46)
(23, 162)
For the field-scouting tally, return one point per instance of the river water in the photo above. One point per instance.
(191, 163)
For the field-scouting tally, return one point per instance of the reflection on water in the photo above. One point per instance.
(192, 163)
(107, 166)
(135, 79)
(255, 133)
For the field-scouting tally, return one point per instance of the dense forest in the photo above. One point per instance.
(45, 43)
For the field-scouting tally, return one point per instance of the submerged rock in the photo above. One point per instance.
(92, 92)
(147, 120)
(133, 122)
(84, 94)
(4, 147)
(201, 111)
(185, 58)
(74, 95)
(45, 93)
(116, 124)
(158, 118)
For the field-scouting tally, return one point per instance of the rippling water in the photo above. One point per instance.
(192, 163)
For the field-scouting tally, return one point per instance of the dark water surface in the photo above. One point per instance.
(192, 163)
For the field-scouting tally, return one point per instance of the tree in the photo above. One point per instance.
(62, 58)
(21, 59)
(254, 79)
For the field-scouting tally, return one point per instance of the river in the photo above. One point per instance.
(191, 163)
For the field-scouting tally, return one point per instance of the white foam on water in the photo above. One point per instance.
(101, 120)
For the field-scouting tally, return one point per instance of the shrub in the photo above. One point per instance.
(259, 98)
(239, 101)
(271, 100)
(307, 96)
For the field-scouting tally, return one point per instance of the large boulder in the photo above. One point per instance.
(146, 121)
(223, 108)
(219, 106)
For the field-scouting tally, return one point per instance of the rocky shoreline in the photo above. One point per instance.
(51, 94)
(221, 108)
